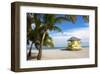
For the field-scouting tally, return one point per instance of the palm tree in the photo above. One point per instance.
(48, 24)
(35, 35)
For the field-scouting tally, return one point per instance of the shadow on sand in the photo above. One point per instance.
(34, 56)
(66, 49)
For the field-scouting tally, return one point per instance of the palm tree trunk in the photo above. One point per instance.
(29, 54)
(41, 44)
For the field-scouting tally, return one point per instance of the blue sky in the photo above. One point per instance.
(78, 29)
(67, 25)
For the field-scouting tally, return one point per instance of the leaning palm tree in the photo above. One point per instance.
(48, 24)
(33, 37)
(40, 33)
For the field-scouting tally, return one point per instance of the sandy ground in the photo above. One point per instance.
(62, 54)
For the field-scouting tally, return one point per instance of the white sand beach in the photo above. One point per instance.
(62, 54)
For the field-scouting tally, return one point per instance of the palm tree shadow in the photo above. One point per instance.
(34, 56)
(66, 49)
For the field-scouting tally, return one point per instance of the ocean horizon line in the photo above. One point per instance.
(57, 47)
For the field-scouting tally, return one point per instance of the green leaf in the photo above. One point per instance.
(48, 41)
(56, 28)
(86, 18)
(71, 18)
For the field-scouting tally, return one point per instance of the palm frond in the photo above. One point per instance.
(48, 41)
(56, 28)
(60, 19)
(71, 18)
(48, 44)
(86, 18)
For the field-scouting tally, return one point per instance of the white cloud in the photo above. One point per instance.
(60, 39)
